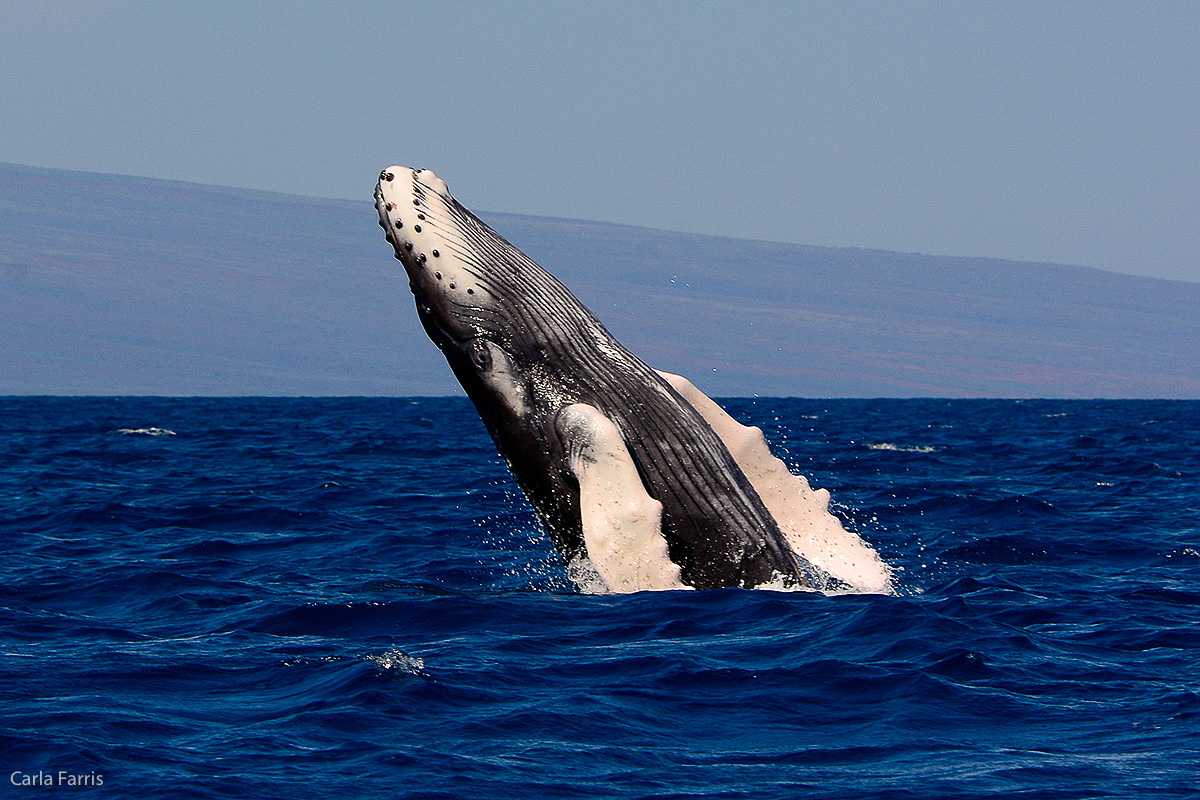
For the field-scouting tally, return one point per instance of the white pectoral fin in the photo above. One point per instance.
(801, 512)
(622, 524)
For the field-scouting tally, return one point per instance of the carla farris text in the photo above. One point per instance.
(60, 778)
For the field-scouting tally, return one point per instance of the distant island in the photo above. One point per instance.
(114, 285)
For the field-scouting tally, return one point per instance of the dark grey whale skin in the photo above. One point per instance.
(519, 333)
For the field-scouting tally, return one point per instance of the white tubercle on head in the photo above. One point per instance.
(414, 210)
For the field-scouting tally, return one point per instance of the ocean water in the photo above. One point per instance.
(259, 598)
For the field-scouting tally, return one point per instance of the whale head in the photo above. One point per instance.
(472, 288)
(500, 319)
(431, 234)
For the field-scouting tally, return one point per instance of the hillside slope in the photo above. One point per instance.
(120, 285)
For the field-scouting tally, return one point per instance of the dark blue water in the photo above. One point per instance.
(298, 597)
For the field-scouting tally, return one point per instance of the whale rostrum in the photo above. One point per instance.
(639, 478)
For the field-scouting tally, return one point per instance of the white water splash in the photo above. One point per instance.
(398, 660)
(146, 432)
(901, 448)
(585, 576)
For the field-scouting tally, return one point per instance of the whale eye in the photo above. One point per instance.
(480, 355)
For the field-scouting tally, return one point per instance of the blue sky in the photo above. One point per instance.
(1064, 132)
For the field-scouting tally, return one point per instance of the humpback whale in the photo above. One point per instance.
(638, 477)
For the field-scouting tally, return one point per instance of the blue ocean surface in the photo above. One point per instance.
(260, 598)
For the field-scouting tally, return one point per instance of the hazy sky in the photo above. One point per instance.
(1065, 132)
